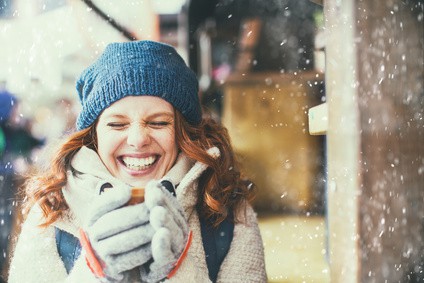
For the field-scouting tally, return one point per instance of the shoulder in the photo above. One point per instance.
(35, 245)
(240, 262)
(246, 229)
(34, 218)
(247, 233)
(246, 215)
(32, 231)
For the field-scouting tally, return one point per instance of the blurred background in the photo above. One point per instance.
(323, 103)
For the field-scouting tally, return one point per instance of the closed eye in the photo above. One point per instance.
(115, 125)
(158, 124)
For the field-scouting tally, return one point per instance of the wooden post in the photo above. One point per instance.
(375, 140)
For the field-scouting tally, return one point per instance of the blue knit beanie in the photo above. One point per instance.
(137, 68)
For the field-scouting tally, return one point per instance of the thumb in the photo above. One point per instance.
(109, 200)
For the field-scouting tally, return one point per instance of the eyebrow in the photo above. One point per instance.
(159, 114)
(154, 115)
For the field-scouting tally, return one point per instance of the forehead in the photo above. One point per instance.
(140, 105)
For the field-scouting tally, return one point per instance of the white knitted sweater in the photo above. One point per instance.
(36, 258)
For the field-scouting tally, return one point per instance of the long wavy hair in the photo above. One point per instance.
(221, 189)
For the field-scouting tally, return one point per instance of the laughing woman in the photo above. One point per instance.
(141, 126)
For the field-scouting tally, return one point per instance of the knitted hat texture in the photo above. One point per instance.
(137, 68)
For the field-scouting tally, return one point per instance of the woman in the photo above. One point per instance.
(141, 125)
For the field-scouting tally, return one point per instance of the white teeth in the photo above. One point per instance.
(138, 163)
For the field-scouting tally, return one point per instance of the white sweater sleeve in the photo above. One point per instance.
(36, 259)
(245, 261)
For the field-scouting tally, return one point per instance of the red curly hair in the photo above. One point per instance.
(220, 190)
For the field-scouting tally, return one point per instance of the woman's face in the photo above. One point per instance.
(136, 139)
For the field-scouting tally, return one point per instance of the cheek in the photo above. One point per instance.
(172, 143)
(106, 145)
(168, 143)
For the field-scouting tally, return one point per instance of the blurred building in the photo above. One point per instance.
(255, 61)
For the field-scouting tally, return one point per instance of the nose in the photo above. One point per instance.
(138, 136)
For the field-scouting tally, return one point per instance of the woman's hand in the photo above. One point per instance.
(120, 235)
(171, 238)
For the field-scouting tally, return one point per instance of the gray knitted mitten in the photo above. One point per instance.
(171, 232)
(120, 235)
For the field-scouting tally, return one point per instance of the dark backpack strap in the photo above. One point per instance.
(216, 243)
(68, 247)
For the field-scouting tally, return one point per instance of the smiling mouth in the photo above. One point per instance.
(139, 164)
